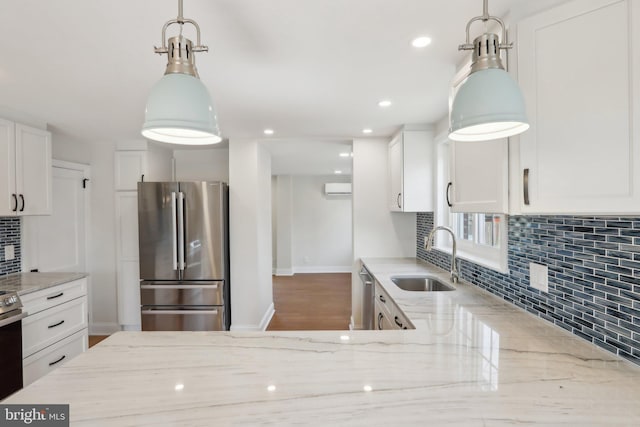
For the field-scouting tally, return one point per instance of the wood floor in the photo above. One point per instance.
(311, 302)
(95, 339)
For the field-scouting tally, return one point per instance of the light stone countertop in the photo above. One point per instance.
(473, 360)
(25, 283)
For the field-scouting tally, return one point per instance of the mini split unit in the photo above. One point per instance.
(337, 188)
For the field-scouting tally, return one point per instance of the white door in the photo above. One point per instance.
(57, 242)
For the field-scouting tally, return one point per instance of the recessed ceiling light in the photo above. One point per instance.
(337, 172)
(384, 103)
(269, 132)
(422, 41)
(367, 131)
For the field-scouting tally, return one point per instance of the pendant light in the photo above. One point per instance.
(488, 104)
(179, 108)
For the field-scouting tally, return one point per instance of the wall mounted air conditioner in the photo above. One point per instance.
(337, 188)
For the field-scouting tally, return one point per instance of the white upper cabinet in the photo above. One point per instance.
(26, 180)
(130, 167)
(479, 176)
(411, 171)
(579, 69)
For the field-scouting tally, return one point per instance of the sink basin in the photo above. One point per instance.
(421, 284)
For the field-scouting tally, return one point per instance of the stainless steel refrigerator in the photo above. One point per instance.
(184, 256)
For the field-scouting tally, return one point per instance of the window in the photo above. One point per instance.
(481, 237)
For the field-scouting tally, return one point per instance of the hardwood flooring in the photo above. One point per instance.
(95, 339)
(311, 302)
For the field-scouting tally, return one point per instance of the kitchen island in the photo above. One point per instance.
(473, 359)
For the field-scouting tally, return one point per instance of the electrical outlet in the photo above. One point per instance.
(539, 277)
(9, 253)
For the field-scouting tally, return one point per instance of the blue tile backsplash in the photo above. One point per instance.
(594, 274)
(10, 235)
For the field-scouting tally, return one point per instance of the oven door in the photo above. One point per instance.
(10, 355)
(177, 318)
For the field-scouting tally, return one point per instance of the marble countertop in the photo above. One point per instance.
(473, 360)
(25, 283)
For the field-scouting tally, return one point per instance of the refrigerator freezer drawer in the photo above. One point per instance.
(182, 293)
(182, 319)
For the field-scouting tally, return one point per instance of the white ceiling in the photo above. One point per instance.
(309, 69)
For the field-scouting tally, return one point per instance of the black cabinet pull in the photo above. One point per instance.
(58, 361)
(380, 321)
(397, 322)
(15, 202)
(382, 299)
(525, 186)
(56, 324)
(446, 193)
(22, 200)
(56, 296)
(398, 200)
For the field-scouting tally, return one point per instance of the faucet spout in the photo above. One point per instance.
(428, 244)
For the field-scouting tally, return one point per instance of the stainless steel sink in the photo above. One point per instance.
(421, 284)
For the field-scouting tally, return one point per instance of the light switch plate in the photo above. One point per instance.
(539, 277)
(9, 253)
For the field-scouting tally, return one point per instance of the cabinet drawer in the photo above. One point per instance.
(383, 299)
(35, 302)
(47, 327)
(52, 357)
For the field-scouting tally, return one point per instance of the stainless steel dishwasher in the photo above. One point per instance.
(368, 295)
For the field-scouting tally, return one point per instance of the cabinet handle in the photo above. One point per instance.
(56, 296)
(22, 200)
(398, 200)
(446, 193)
(55, 324)
(397, 322)
(15, 203)
(58, 361)
(525, 186)
(380, 321)
(382, 299)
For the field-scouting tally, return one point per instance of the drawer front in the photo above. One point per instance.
(36, 302)
(52, 357)
(383, 299)
(47, 327)
(181, 293)
(156, 318)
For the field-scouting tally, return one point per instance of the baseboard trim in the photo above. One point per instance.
(103, 328)
(323, 269)
(284, 272)
(262, 326)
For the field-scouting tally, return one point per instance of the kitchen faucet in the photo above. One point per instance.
(429, 244)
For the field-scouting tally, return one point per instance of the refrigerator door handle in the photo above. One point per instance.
(181, 263)
(174, 234)
(187, 311)
(168, 287)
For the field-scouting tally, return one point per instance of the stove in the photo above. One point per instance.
(10, 342)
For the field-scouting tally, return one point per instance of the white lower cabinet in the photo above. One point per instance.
(54, 356)
(388, 314)
(55, 329)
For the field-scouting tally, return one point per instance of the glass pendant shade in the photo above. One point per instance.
(488, 105)
(179, 111)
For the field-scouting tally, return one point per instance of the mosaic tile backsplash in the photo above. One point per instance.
(594, 274)
(10, 235)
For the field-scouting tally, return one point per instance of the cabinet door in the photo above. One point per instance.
(33, 170)
(479, 174)
(130, 166)
(396, 173)
(128, 274)
(579, 69)
(8, 158)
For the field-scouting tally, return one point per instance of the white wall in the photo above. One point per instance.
(101, 256)
(282, 232)
(321, 226)
(210, 164)
(250, 226)
(377, 232)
